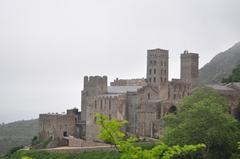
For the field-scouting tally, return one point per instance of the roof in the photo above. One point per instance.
(109, 95)
(123, 89)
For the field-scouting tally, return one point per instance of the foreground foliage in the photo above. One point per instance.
(34, 154)
(110, 132)
(203, 118)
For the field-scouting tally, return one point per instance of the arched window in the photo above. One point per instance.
(172, 109)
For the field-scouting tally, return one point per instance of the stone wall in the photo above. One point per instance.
(93, 85)
(75, 142)
(110, 105)
(178, 89)
(189, 68)
(56, 126)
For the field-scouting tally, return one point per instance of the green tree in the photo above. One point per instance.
(110, 132)
(234, 77)
(203, 118)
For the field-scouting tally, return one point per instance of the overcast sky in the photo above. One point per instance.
(47, 46)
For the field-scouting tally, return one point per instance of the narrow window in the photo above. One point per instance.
(161, 63)
(110, 105)
(101, 104)
(161, 79)
(174, 96)
(154, 71)
(65, 134)
(95, 105)
(150, 71)
(109, 116)
(154, 79)
(150, 80)
(161, 72)
(149, 95)
(165, 72)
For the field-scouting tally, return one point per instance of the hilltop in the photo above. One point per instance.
(17, 133)
(220, 66)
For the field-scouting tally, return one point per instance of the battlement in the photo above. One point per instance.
(92, 81)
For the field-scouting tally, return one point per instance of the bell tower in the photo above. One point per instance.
(157, 70)
(189, 68)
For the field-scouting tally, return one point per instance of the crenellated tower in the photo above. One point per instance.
(93, 85)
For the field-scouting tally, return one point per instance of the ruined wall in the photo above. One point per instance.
(55, 126)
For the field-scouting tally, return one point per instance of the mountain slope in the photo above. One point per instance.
(220, 66)
(17, 133)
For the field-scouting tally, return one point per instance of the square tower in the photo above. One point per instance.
(157, 70)
(189, 68)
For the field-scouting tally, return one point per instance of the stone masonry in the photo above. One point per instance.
(143, 102)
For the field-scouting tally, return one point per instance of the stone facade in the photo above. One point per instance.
(57, 126)
(189, 68)
(143, 102)
(231, 92)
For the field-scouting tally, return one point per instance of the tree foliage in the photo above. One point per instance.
(203, 118)
(110, 132)
(234, 77)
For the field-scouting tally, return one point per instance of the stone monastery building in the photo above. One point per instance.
(143, 102)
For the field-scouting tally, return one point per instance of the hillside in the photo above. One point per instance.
(220, 66)
(17, 133)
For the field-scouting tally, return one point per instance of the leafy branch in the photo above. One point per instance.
(110, 131)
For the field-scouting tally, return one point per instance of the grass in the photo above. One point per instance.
(33, 154)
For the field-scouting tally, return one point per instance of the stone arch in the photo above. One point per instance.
(172, 109)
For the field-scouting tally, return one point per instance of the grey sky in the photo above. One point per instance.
(47, 46)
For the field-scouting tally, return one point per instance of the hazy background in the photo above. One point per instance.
(47, 46)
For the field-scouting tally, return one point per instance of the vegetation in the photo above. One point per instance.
(17, 133)
(234, 77)
(110, 132)
(203, 118)
(34, 154)
(39, 144)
